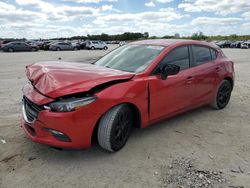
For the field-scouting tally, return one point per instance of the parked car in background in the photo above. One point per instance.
(2, 43)
(224, 44)
(245, 45)
(45, 45)
(122, 43)
(83, 44)
(92, 45)
(58, 46)
(236, 44)
(19, 46)
(66, 105)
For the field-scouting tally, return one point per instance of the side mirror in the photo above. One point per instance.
(169, 69)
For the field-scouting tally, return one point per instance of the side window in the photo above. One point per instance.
(201, 54)
(179, 56)
(213, 54)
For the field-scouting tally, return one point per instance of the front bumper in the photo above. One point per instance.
(76, 126)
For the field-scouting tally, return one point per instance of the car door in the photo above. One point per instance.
(64, 46)
(15, 46)
(205, 73)
(95, 44)
(100, 45)
(174, 94)
(69, 46)
(18, 46)
(25, 47)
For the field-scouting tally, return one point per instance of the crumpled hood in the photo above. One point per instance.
(55, 79)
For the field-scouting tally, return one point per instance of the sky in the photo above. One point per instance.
(65, 18)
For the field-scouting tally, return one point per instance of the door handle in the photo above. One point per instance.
(217, 69)
(190, 79)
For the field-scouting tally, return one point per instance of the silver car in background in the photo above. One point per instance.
(58, 46)
(92, 45)
(19, 47)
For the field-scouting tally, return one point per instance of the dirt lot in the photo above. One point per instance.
(202, 145)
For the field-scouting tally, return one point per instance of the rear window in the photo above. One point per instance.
(201, 54)
(213, 54)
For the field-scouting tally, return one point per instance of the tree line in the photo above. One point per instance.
(129, 36)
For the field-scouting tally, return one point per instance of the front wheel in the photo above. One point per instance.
(92, 48)
(105, 48)
(33, 49)
(223, 95)
(115, 127)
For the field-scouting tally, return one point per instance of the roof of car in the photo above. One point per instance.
(168, 42)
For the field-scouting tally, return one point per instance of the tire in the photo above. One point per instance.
(58, 49)
(115, 127)
(33, 49)
(92, 48)
(105, 48)
(75, 48)
(223, 95)
(10, 50)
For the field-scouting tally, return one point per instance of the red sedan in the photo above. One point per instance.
(66, 104)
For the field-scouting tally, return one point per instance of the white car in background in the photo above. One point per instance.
(245, 45)
(92, 45)
(122, 43)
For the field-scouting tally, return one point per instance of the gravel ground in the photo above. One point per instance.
(183, 151)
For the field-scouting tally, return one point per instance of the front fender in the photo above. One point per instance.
(133, 91)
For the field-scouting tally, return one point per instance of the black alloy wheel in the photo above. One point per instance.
(224, 94)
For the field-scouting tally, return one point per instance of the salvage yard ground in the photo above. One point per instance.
(203, 147)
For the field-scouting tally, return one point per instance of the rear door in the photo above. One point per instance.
(25, 47)
(205, 72)
(174, 94)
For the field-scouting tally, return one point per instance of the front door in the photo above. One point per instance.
(174, 94)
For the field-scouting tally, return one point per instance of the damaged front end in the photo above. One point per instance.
(56, 79)
(63, 102)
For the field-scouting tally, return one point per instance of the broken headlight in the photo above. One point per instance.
(71, 104)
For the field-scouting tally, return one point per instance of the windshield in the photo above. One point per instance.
(130, 58)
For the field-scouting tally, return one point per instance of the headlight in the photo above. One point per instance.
(71, 104)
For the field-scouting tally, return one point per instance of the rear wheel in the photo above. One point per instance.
(115, 127)
(58, 49)
(223, 95)
(105, 48)
(33, 49)
(92, 48)
(10, 50)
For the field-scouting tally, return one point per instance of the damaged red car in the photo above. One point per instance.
(66, 104)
